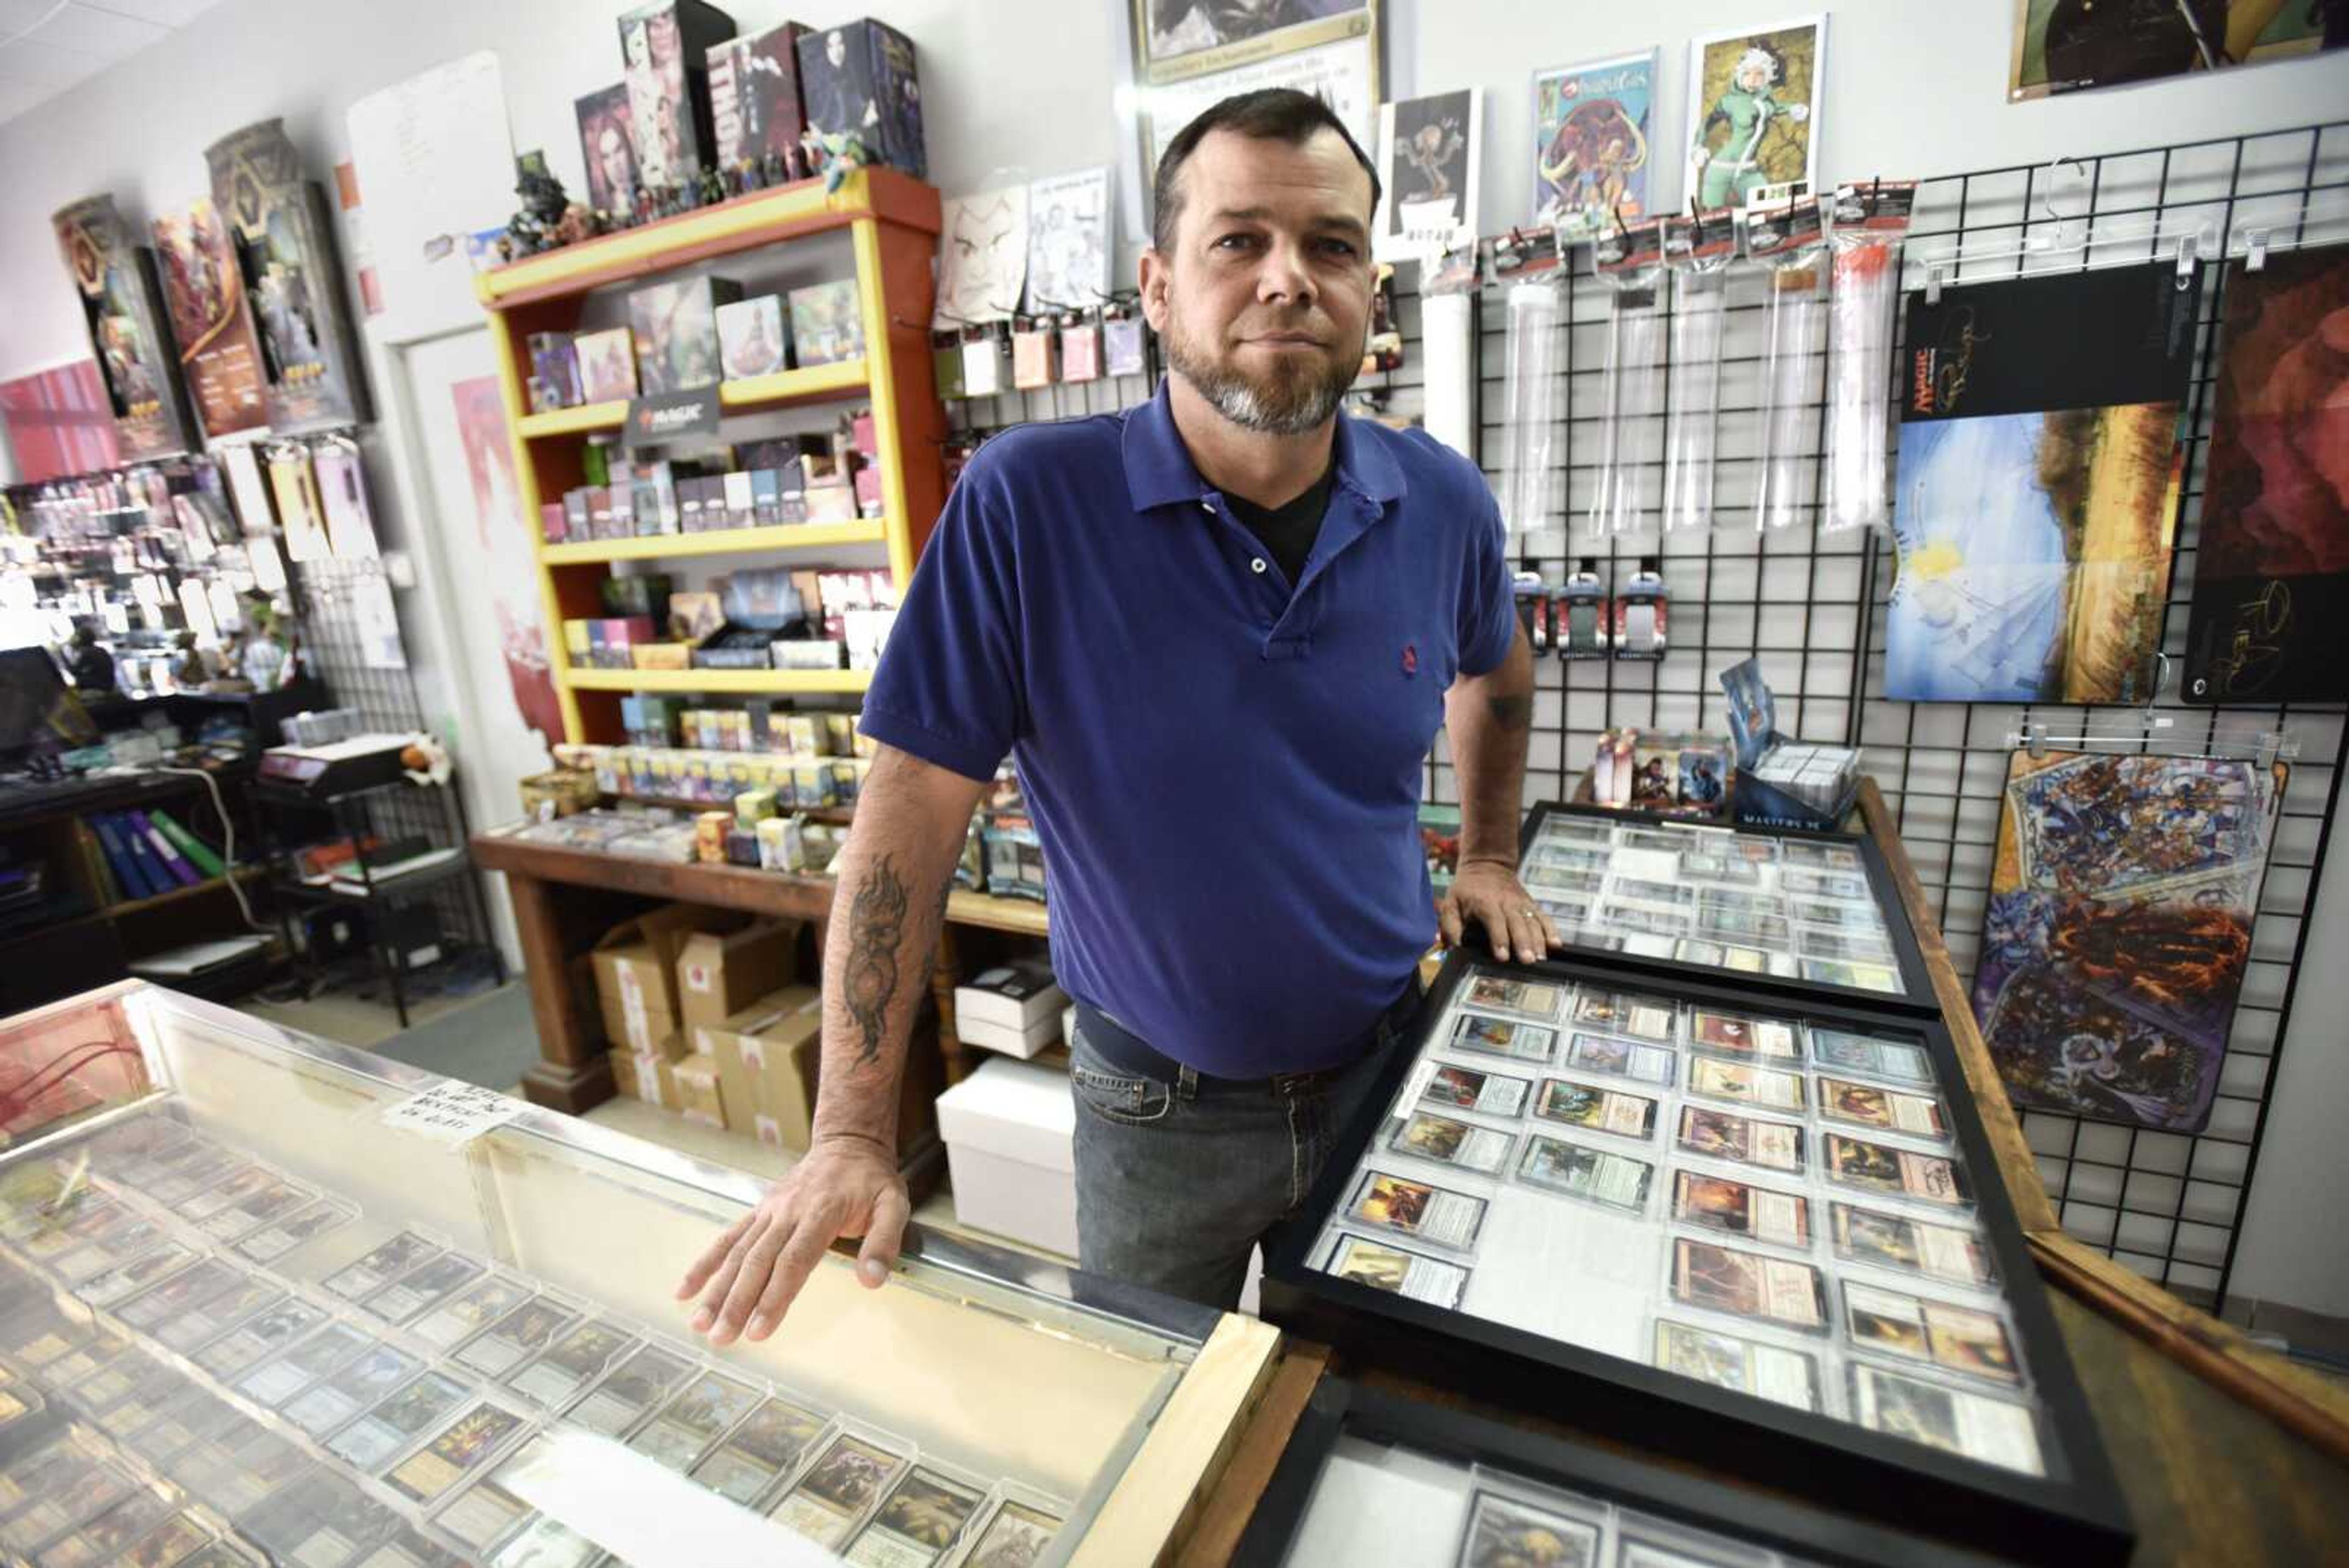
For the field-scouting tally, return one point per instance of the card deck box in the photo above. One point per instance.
(667, 49)
(555, 362)
(758, 604)
(675, 327)
(553, 524)
(754, 96)
(751, 337)
(860, 78)
(740, 509)
(1754, 726)
(647, 595)
(827, 323)
(578, 518)
(607, 365)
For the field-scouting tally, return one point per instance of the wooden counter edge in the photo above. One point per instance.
(1224, 1512)
(2016, 1164)
(2303, 1402)
(1188, 1446)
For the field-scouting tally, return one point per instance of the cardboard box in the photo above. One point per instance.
(1010, 1129)
(636, 972)
(649, 1076)
(698, 1097)
(770, 1069)
(720, 973)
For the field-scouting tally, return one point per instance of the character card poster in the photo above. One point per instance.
(122, 306)
(2119, 929)
(2066, 45)
(278, 231)
(1430, 152)
(2036, 498)
(2270, 619)
(982, 256)
(1591, 148)
(205, 290)
(1754, 110)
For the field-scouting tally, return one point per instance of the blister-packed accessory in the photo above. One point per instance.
(1530, 391)
(1697, 251)
(1870, 223)
(1790, 243)
(1630, 390)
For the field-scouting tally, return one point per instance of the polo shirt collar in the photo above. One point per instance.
(1159, 469)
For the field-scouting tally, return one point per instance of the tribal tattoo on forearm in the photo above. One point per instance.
(877, 927)
(1511, 713)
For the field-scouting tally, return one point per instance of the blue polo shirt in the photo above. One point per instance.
(1223, 766)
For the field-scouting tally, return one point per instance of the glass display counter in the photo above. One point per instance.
(266, 1312)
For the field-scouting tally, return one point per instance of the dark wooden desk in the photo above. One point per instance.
(564, 900)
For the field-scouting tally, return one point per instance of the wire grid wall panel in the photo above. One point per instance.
(1810, 605)
(334, 637)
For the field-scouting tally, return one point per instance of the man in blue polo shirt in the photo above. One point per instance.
(1217, 633)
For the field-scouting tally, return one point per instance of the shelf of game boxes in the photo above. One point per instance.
(818, 383)
(733, 683)
(718, 542)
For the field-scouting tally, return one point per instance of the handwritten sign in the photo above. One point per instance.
(452, 1113)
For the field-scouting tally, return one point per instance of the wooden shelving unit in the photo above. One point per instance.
(892, 221)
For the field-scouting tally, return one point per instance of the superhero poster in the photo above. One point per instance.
(2119, 930)
(2270, 619)
(1754, 110)
(1592, 149)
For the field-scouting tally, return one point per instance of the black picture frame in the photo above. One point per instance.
(2075, 1514)
(1916, 994)
(1341, 1407)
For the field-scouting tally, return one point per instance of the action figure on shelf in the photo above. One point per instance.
(1747, 108)
(91, 665)
(713, 187)
(531, 229)
(836, 155)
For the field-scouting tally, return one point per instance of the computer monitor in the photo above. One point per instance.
(37, 710)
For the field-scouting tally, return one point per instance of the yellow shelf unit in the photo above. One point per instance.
(892, 221)
(714, 683)
(718, 542)
(819, 384)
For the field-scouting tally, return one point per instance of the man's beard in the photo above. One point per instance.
(1289, 400)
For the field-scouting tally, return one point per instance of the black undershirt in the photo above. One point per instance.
(1288, 531)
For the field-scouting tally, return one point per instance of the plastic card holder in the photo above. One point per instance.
(841, 1486)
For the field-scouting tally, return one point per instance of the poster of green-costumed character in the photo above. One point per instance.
(1753, 105)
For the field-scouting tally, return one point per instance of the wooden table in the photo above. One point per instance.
(2227, 1453)
(564, 900)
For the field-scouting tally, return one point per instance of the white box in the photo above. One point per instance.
(1010, 1130)
(1003, 1037)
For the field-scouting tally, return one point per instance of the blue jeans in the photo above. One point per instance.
(1179, 1178)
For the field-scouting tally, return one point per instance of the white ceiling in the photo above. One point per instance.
(48, 46)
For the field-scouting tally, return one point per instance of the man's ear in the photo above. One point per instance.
(1156, 277)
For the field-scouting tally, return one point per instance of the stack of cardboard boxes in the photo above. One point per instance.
(704, 1019)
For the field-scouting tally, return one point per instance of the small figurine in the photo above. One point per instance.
(713, 187)
(531, 229)
(578, 223)
(838, 154)
(773, 169)
(645, 209)
(91, 665)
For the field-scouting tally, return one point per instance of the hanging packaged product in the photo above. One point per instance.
(1122, 342)
(1033, 351)
(1534, 610)
(1640, 613)
(1631, 392)
(1790, 243)
(1529, 397)
(1583, 630)
(1081, 348)
(1448, 309)
(1698, 251)
(1869, 224)
(985, 360)
(945, 363)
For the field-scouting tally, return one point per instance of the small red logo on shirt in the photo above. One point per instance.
(1410, 658)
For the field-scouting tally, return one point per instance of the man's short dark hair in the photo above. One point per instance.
(1268, 114)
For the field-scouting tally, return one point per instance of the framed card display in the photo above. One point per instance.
(1780, 1245)
(1782, 911)
(1374, 1476)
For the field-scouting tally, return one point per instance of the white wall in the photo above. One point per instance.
(1911, 88)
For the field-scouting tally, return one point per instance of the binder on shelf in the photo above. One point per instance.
(199, 854)
(150, 865)
(175, 863)
(128, 871)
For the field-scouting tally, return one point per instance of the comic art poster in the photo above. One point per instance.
(1592, 126)
(2119, 929)
(501, 536)
(204, 291)
(2271, 621)
(2067, 45)
(1430, 150)
(2036, 500)
(1753, 107)
(1069, 241)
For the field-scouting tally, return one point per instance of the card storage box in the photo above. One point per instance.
(1701, 1257)
(752, 340)
(675, 326)
(827, 324)
(1374, 1476)
(1010, 1135)
(1808, 913)
(607, 365)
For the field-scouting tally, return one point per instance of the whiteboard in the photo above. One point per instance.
(434, 158)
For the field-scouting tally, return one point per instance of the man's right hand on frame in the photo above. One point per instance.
(751, 1274)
